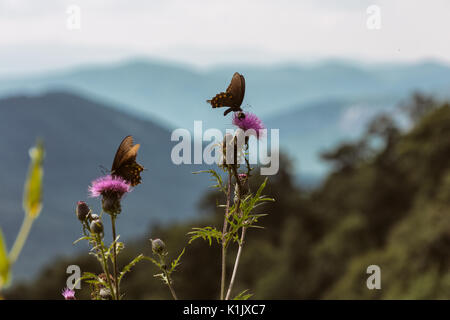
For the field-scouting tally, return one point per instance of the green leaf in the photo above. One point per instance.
(176, 262)
(216, 177)
(4, 263)
(156, 263)
(243, 295)
(82, 238)
(206, 233)
(130, 265)
(163, 277)
(32, 196)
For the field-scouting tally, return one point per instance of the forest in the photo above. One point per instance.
(385, 202)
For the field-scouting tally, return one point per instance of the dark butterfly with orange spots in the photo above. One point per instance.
(233, 97)
(125, 165)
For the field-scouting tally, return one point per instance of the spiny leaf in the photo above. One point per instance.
(130, 265)
(82, 238)
(163, 277)
(176, 262)
(216, 177)
(243, 295)
(205, 233)
(156, 263)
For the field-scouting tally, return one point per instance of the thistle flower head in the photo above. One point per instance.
(111, 188)
(247, 121)
(109, 184)
(68, 294)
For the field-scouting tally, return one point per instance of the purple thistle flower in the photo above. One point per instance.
(242, 176)
(68, 294)
(109, 184)
(111, 188)
(247, 121)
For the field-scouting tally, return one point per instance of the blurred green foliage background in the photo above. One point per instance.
(386, 202)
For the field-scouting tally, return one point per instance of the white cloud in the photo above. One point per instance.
(211, 31)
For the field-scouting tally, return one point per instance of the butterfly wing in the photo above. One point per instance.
(125, 165)
(233, 96)
(125, 145)
(237, 89)
(222, 99)
(131, 172)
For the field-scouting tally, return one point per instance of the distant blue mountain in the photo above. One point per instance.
(175, 95)
(309, 129)
(80, 136)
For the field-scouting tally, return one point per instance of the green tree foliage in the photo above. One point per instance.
(386, 202)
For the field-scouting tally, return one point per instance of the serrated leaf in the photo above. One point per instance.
(32, 196)
(81, 239)
(243, 295)
(176, 262)
(215, 176)
(4, 263)
(130, 265)
(206, 233)
(156, 263)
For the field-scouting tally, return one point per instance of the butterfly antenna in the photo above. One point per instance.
(103, 170)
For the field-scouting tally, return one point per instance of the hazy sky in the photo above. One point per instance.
(34, 35)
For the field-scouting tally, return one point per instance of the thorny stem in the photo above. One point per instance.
(169, 279)
(105, 267)
(116, 282)
(236, 263)
(224, 244)
(169, 284)
(241, 243)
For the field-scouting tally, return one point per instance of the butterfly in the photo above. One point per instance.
(125, 165)
(233, 97)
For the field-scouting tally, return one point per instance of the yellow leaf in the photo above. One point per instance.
(32, 198)
(4, 263)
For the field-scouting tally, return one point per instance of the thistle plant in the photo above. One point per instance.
(160, 253)
(107, 284)
(240, 202)
(111, 188)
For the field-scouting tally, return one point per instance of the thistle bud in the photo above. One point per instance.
(96, 226)
(105, 293)
(95, 217)
(158, 246)
(82, 210)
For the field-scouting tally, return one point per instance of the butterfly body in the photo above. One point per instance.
(125, 165)
(233, 96)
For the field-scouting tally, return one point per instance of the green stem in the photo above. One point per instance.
(241, 243)
(116, 282)
(169, 283)
(105, 267)
(21, 238)
(224, 244)
(236, 263)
